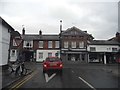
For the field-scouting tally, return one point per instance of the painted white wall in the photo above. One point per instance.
(0, 42)
(103, 48)
(4, 46)
(45, 54)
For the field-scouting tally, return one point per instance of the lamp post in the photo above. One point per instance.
(60, 37)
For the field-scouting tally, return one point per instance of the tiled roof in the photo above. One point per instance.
(104, 42)
(40, 37)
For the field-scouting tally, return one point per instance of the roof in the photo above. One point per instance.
(40, 37)
(104, 42)
(6, 24)
(79, 32)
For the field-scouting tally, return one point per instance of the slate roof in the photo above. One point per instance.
(79, 32)
(104, 42)
(40, 37)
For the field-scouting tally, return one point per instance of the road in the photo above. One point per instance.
(71, 77)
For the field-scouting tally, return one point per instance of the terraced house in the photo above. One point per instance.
(72, 44)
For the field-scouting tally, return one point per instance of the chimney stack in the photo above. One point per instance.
(23, 31)
(40, 32)
(60, 26)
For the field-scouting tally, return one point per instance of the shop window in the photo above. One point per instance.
(40, 55)
(49, 54)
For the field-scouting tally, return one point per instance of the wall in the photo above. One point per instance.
(103, 48)
(5, 45)
(45, 54)
(0, 42)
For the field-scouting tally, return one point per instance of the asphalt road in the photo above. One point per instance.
(75, 77)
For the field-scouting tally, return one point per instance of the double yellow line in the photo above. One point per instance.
(23, 81)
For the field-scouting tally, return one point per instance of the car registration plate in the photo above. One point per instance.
(53, 64)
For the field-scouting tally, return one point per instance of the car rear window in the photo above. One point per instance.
(53, 59)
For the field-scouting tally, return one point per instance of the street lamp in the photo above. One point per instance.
(60, 36)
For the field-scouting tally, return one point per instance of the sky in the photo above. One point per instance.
(97, 17)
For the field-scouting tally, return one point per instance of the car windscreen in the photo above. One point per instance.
(53, 59)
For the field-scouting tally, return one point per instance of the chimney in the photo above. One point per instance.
(40, 32)
(117, 34)
(23, 31)
(85, 31)
(60, 26)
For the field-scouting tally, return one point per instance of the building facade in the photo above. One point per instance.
(5, 36)
(103, 51)
(74, 44)
(37, 47)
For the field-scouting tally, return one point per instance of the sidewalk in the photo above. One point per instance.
(9, 79)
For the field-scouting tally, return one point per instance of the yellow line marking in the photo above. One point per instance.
(24, 79)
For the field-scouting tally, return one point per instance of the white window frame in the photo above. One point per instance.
(57, 44)
(92, 49)
(40, 44)
(28, 42)
(13, 55)
(40, 55)
(114, 49)
(50, 44)
(73, 44)
(65, 44)
(81, 44)
(49, 54)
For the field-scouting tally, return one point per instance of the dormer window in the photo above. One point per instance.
(28, 44)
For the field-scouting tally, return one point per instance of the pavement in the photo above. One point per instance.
(11, 78)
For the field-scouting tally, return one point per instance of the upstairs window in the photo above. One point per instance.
(49, 44)
(57, 44)
(14, 43)
(28, 44)
(40, 44)
(81, 44)
(73, 44)
(65, 44)
(92, 49)
(114, 49)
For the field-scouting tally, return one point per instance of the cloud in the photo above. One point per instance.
(95, 17)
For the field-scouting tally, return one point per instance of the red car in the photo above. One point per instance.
(52, 63)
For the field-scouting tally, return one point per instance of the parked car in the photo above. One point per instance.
(118, 60)
(52, 63)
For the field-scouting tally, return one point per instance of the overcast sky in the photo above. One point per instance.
(97, 17)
